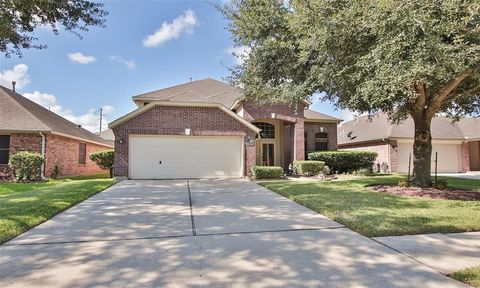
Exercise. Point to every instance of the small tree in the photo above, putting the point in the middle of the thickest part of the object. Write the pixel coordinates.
(406, 58)
(104, 159)
(26, 165)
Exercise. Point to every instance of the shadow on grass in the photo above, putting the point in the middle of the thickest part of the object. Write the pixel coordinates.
(370, 213)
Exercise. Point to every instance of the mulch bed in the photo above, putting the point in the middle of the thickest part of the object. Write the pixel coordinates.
(448, 193)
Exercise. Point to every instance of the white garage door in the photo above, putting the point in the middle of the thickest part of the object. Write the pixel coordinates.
(448, 157)
(159, 157)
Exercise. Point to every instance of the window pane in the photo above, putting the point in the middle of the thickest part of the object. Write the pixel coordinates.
(82, 155)
(268, 130)
(3, 156)
(321, 146)
(4, 141)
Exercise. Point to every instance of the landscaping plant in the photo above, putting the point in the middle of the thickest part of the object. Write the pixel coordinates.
(267, 172)
(308, 168)
(345, 161)
(26, 165)
(104, 159)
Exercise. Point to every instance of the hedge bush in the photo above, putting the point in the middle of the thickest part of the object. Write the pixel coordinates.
(308, 168)
(104, 159)
(26, 165)
(267, 172)
(345, 161)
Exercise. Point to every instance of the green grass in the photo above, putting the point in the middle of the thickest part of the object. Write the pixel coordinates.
(351, 202)
(25, 205)
(470, 276)
(102, 175)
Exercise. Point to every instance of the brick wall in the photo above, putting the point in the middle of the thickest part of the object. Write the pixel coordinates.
(168, 120)
(465, 157)
(23, 142)
(382, 148)
(253, 111)
(312, 128)
(63, 151)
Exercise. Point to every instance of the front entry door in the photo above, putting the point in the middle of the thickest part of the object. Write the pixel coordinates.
(268, 153)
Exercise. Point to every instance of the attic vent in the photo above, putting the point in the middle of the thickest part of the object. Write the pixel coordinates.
(79, 126)
(13, 85)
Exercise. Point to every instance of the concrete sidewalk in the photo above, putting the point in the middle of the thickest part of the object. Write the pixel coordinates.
(445, 253)
(202, 233)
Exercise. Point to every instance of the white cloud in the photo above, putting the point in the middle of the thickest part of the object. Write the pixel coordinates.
(240, 53)
(129, 63)
(168, 31)
(19, 73)
(89, 120)
(81, 58)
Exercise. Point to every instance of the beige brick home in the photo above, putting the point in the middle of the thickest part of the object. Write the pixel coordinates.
(206, 128)
(457, 143)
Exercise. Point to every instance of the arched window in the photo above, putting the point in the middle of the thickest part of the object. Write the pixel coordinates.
(321, 141)
(268, 130)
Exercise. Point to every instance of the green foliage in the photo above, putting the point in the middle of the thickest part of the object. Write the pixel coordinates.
(26, 165)
(308, 168)
(406, 58)
(267, 172)
(345, 161)
(470, 276)
(363, 55)
(19, 19)
(104, 159)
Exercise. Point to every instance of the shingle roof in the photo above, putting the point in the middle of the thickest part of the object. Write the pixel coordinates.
(311, 114)
(206, 90)
(377, 127)
(107, 134)
(19, 114)
(470, 127)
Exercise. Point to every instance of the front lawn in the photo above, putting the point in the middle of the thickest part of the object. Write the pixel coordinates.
(349, 201)
(470, 276)
(23, 206)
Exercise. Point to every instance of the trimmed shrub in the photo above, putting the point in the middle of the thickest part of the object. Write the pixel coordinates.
(308, 168)
(345, 161)
(26, 165)
(267, 172)
(104, 159)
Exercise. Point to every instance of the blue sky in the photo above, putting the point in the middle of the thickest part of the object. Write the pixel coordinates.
(147, 45)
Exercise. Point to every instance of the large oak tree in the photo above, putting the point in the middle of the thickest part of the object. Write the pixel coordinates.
(20, 18)
(408, 58)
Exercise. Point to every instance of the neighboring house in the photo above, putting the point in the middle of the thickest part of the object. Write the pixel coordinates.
(107, 135)
(27, 126)
(457, 143)
(206, 128)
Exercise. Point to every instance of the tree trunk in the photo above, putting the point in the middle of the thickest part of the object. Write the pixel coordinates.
(422, 151)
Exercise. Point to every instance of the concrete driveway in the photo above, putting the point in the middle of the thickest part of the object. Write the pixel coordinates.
(202, 233)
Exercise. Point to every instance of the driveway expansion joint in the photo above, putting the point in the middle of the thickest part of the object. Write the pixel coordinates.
(192, 218)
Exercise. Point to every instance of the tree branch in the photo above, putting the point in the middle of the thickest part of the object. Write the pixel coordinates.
(443, 94)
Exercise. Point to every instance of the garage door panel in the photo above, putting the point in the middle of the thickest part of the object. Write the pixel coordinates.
(185, 157)
(448, 157)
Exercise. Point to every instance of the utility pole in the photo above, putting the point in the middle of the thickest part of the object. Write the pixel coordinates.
(101, 116)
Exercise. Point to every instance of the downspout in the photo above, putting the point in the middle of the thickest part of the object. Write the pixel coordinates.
(42, 168)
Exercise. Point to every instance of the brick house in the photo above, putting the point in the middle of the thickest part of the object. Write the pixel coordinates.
(27, 126)
(206, 128)
(457, 143)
